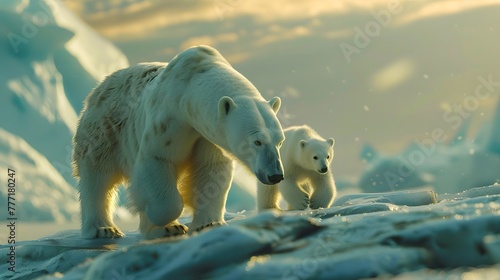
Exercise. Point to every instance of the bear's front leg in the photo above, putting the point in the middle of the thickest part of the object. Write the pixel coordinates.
(324, 191)
(155, 196)
(212, 173)
(295, 196)
(151, 231)
(267, 197)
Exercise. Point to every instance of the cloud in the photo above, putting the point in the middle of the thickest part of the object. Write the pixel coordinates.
(442, 8)
(128, 19)
(134, 20)
(393, 75)
(283, 34)
(210, 40)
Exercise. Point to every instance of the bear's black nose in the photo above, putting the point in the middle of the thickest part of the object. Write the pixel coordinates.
(324, 170)
(276, 178)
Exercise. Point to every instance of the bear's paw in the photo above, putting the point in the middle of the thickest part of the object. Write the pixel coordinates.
(299, 202)
(107, 232)
(174, 230)
(209, 225)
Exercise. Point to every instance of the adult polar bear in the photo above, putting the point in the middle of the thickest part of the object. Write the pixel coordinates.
(172, 132)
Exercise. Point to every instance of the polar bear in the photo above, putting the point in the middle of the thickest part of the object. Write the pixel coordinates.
(171, 132)
(309, 181)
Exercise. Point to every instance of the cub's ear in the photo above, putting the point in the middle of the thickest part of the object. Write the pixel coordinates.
(226, 105)
(302, 143)
(275, 103)
(331, 141)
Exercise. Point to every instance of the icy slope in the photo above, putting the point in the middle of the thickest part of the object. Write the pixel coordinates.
(41, 193)
(50, 60)
(365, 237)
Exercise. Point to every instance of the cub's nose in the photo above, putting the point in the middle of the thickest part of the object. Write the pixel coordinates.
(276, 178)
(324, 170)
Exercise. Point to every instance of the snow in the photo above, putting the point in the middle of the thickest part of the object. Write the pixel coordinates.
(51, 60)
(439, 236)
(40, 196)
(54, 60)
(97, 56)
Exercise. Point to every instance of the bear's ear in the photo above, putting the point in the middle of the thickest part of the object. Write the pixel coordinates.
(226, 105)
(275, 103)
(331, 141)
(302, 143)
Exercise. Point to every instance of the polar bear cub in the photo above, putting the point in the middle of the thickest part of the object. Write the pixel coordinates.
(306, 158)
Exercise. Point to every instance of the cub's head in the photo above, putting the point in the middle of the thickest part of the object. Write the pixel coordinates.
(254, 134)
(316, 154)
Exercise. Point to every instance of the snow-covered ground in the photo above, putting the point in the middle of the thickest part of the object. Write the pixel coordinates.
(364, 236)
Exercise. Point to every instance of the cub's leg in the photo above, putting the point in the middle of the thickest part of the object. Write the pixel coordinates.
(324, 191)
(97, 198)
(211, 176)
(267, 197)
(295, 196)
(154, 195)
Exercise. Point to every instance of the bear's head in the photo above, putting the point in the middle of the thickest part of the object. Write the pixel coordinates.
(316, 154)
(241, 122)
(254, 135)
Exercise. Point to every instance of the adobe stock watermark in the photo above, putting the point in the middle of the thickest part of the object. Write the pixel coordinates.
(455, 117)
(212, 190)
(309, 266)
(31, 24)
(284, 117)
(122, 275)
(222, 7)
(372, 29)
(89, 142)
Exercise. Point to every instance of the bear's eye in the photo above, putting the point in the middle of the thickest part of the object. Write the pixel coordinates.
(328, 157)
(315, 157)
(257, 143)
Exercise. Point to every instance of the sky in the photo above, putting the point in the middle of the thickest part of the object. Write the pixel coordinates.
(379, 72)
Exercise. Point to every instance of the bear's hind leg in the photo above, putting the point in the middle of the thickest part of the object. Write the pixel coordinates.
(97, 198)
(155, 197)
(206, 194)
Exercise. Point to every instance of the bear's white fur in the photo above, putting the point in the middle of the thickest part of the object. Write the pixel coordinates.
(172, 132)
(309, 181)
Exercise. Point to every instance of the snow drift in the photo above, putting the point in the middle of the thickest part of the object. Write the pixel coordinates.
(41, 194)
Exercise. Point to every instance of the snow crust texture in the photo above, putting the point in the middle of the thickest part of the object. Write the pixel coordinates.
(372, 236)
